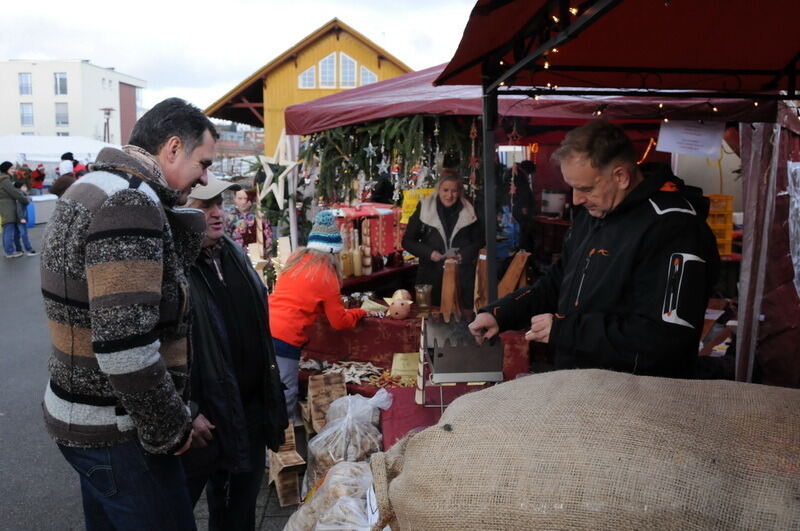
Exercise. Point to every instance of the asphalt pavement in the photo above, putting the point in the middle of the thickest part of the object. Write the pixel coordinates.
(38, 489)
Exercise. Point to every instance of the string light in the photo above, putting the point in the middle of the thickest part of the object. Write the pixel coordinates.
(501, 62)
(666, 120)
(712, 106)
(755, 104)
(660, 105)
(600, 109)
(573, 11)
(554, 50)
(548, 85)
(556, 19)
(546, 65)
(502, 83)
(536, 96)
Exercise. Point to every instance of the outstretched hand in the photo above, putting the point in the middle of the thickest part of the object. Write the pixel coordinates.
(484, 327)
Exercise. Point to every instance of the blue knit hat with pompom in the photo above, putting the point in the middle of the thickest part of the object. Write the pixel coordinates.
(325, 235)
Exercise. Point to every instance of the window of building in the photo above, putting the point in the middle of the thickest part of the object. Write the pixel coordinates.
(61, 83)
(25, 84)
(62, 114)
(26, 114)
(327, 72)
(367, 76)
(62, 133)
(347, 74)
(306, 79)
(27, 133)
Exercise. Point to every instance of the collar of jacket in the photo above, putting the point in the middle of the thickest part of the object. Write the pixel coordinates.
(429, 216)
(136, 161)
(655, 175)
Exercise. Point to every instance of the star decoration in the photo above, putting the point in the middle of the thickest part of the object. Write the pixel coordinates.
(383, 167)
(277, 185)
(370, 150)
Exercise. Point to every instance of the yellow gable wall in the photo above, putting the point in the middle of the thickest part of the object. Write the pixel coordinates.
(281, 88)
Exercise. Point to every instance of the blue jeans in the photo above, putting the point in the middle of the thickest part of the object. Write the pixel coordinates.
(288, 358)
(9, 232)
(22, 234)
(125, 488)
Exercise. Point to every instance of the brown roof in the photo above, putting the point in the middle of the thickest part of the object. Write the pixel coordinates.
(251, 89)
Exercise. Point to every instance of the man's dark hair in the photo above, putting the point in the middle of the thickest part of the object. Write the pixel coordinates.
(68, 156)
(600, 141)
(171, 117)
(5, 166)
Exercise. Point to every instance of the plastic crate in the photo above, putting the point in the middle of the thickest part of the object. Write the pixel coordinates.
(718, 219)
(724, 246)
(721, 202)
(723, 233)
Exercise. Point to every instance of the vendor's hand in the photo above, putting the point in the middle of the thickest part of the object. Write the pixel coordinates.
(484, 327)
(540, 328)
(202, 431)
(375, 313)
(436, 256)
(187, 444)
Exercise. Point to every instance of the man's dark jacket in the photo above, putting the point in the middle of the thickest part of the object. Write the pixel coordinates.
(629, 291)
(215, 392)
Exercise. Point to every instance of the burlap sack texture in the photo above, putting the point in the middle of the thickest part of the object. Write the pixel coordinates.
(593, 449)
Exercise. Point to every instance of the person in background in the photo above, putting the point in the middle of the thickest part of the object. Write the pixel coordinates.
(445, 225)
(10, 195)
(115, 259)
(241, 221)
(630, 288)
(309, 285)
(237, 396)
(21, 240)
(37, 179)
(65, 178)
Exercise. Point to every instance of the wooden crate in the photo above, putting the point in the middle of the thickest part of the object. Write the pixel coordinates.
(285, 466)
(322, 390)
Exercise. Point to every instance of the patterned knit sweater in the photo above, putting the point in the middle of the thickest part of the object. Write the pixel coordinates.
(114, 262)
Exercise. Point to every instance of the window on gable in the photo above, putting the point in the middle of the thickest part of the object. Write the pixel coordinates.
(347, 72)
(327, 72)
(61, 83)
(307, 78)
(25, 85)
(367, 76)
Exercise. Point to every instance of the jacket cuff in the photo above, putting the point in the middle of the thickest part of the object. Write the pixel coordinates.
(177, 446)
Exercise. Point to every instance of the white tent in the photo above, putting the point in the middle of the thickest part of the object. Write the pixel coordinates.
(48, 149)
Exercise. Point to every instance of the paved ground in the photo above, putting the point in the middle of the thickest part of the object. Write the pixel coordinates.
(38, 490)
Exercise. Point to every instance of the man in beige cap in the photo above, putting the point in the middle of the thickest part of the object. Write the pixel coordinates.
(237, 398)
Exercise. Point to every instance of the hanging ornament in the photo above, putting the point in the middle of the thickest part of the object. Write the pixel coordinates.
(474, 163)
(383, 167)
(514, 137)
(370, 150)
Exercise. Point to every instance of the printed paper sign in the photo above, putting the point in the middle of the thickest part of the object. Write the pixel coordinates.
(410, 200)
(691, 138)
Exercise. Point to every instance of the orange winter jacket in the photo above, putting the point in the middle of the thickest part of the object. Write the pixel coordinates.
(301, 296)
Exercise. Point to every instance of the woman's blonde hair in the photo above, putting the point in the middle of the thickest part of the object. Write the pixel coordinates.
(317, 260)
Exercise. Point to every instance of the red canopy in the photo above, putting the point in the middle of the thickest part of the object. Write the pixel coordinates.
(414, 93)
(750, 45)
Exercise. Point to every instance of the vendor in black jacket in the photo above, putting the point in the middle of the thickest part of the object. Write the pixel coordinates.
(445, 225)
(236, 391)
(630, 289)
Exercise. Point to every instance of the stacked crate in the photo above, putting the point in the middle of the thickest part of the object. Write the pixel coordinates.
(720, 219)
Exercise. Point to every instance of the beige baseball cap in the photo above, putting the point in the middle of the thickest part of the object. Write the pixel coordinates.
(212, 189)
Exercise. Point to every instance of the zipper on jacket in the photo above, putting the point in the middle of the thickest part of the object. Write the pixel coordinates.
(583, 277)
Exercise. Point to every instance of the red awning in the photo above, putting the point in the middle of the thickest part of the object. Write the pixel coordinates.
(640, 36)
(414, 93)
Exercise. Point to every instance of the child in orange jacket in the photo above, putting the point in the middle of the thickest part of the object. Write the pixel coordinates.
(309, 285)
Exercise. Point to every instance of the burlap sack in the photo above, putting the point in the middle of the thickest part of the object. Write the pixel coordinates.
(593, 449)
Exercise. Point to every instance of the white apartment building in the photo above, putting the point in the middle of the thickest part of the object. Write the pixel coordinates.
(68, 98)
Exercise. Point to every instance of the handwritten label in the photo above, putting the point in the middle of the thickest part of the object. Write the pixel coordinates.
(372, 506)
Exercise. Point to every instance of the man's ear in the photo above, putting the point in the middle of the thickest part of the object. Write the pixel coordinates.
(172, 148)
(622, 176)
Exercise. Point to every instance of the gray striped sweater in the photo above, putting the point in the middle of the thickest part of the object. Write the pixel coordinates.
(115, 290)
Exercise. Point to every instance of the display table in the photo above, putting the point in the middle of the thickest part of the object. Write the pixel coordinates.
(377, 340)
(383, 282)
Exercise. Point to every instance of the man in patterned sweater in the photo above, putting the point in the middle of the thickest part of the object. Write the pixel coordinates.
(114, 263)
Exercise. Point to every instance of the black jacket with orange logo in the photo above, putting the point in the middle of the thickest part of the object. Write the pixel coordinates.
(630, 290)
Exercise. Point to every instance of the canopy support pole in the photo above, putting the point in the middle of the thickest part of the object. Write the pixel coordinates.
(490, 189)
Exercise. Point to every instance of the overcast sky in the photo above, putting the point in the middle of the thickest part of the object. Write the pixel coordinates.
(201, 50)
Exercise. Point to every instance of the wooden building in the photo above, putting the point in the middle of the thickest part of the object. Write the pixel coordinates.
(333, 58)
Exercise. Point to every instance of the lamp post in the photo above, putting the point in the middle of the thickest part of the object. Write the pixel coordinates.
(106, 128)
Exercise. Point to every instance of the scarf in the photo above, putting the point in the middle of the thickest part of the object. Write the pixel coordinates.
(148, 161)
